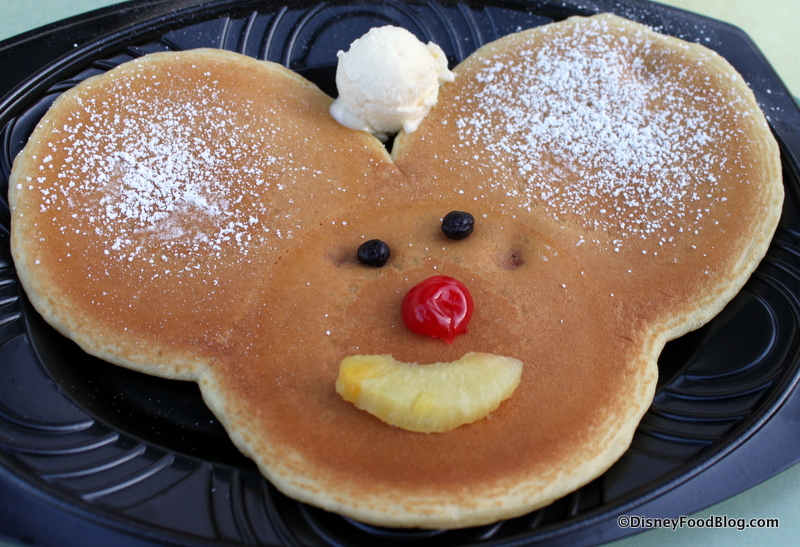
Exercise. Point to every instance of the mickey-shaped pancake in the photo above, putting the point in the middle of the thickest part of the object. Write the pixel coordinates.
(196, 215)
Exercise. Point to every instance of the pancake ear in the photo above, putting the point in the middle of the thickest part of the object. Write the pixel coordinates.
(188, 174)
(645, 158)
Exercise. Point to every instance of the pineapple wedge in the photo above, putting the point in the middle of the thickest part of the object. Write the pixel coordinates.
(428, 398)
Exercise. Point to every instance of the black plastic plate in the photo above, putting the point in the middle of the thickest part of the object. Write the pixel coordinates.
(92, 454)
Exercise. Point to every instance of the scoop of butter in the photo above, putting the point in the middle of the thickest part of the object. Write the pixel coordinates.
(388, 80)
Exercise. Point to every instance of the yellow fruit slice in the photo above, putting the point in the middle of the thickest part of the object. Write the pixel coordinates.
(428, 398)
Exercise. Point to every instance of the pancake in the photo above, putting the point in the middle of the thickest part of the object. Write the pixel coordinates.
(195, 215)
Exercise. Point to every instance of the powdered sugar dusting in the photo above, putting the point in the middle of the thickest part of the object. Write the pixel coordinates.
(625, 147)
(173, 176)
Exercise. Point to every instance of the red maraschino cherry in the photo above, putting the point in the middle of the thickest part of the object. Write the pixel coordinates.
(440, 306)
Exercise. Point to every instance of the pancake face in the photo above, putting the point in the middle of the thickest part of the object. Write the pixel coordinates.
(196, 215)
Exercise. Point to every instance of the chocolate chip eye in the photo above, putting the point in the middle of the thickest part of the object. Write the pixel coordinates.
(373, 253)
(458, 224)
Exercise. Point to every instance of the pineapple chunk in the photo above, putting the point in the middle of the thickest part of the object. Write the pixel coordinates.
(428, 398)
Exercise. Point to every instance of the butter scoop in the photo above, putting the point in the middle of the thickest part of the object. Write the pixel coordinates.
(387, 81)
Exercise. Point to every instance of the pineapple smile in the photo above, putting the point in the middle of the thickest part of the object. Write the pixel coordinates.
(431, 398)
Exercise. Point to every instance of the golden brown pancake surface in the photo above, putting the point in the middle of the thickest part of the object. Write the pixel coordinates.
(195, 215)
